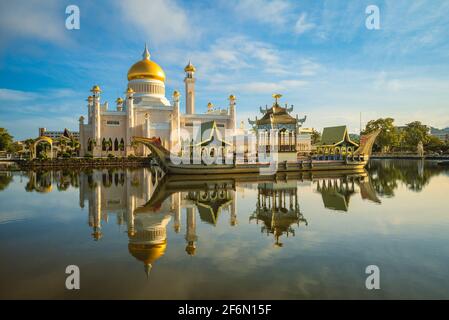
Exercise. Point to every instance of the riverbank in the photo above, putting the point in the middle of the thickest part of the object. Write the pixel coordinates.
(408, 156)
(12, 165)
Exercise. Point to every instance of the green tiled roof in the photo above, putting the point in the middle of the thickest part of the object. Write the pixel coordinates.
(334, 135)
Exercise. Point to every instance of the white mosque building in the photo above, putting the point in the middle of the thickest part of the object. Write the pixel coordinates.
(146, 112)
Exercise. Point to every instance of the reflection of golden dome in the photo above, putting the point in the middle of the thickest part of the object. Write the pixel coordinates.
(147, 253)
(146, 69)
(190, 248)
(45, 189)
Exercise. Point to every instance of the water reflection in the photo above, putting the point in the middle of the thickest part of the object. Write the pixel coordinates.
(386, 175)
(319, 231)
(278, 209)
(145, 203)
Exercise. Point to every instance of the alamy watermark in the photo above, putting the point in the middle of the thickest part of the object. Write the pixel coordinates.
(72, 282)
(373, 280)
(72, 22)
(372, 21)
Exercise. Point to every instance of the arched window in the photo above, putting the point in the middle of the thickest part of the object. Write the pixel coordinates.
(115, 144)
(122, 145)
(110, 145)
(103, 144)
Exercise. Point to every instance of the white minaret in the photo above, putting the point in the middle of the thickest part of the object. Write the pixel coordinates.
(81, 131)
(90, 107)
(190, 88)
(175, 122)
(232, 114)
(130, 119)
(96, 123)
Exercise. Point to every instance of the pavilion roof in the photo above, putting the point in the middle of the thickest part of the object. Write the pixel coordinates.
(336, 135)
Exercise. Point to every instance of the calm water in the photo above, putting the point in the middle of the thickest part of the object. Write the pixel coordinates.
(138, 237)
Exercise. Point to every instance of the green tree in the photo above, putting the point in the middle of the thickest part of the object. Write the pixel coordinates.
(5, 139)
(388, 137)
(415, 132)
(316, 136)
(434, 144)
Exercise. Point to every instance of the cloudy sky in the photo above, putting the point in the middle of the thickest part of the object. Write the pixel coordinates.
(318, 54)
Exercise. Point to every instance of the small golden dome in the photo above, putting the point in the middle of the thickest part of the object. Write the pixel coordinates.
(176, 93)
(190, 67)
(129, 90)
(95, 88)
(90, 98)
(119, 100)
(232, 97)
(210, 105)
(146, 69)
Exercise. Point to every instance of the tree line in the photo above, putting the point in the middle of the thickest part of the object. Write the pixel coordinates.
(405, 138)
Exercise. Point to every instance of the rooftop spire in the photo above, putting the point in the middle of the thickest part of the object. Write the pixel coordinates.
(146, 53)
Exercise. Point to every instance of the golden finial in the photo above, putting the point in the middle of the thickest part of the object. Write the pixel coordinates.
(189, 67)
(146, 54)
(276, 97)
(176, 93)
(119, 100)
(232, 97)
(130, 90)
(210, 106)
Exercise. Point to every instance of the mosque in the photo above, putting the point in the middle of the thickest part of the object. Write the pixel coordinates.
(145, 111)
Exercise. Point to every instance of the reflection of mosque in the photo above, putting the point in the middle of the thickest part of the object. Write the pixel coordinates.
(144, 203)
(278, 209)
(130, 196)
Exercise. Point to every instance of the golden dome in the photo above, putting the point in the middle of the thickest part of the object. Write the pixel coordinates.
(147, 253)
(146, 69)
(95, 88)
(232, 97)
(129, 90)
(176, 93)
(189, 67)
(119, 100)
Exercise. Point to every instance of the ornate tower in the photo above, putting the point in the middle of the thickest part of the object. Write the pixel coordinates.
(190, 88)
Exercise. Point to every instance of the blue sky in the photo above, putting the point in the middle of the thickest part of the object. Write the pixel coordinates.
(318, 54)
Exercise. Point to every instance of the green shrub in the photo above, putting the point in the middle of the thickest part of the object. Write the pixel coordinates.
(88, 155)
(111, 156)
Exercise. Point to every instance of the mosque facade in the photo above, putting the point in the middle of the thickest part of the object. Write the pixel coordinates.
(145, 111)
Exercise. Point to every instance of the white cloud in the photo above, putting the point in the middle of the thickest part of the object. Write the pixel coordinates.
(160, 20)
(302, 25)
(267, 87)
(265, 11)
(9, 95)
(32, 18)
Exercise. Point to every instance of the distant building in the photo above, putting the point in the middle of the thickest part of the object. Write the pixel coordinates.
(442, 134)
(56, 134)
